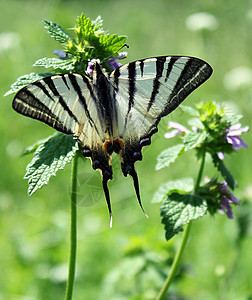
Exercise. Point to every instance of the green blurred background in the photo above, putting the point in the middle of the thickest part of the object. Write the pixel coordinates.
(130, 260)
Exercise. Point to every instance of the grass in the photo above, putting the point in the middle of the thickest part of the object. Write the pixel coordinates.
(34, 231)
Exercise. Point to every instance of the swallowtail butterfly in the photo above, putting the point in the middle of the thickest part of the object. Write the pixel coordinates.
(116, 112)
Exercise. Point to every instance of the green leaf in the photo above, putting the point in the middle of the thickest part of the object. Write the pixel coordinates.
(190, 110)
(178, 210)
(97, 26)
(112, 44)
(195, 122)
(219, 164)
(33, 148)
(84, 28)
(56, 63)
(210, 108)
(180, 185)
(193, 139)
(24, 80)
(49, 157)
(232, 118)
(56, 31)
(169, 156)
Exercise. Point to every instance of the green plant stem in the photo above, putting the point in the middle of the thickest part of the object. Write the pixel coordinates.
(175, 263)
(197, 184)
(73, 231)
(179, 253)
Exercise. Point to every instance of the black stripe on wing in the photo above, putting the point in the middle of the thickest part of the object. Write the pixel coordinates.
(171, 63)
(194, 73)
(156, 83)
(115, 91)
(49, 82)
(27, 104)
(132, 88)
(132, 84)
(82, 99)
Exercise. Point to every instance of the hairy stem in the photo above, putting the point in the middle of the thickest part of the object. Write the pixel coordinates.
(73, 231)
(182, 246)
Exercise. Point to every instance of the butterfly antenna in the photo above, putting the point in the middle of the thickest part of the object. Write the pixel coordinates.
(106, 191)
(133, 174)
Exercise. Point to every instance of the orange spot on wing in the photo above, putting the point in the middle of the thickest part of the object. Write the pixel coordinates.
(114, 146)
(120, 142)
(106, 145)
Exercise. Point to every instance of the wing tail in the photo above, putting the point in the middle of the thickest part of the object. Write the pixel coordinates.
(133, 174)
(129, 155)
(106, 192)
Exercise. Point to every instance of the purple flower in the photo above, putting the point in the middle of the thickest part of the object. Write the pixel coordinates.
(112, 61)
(233, 136)
(178, 129)
(226, 199)
(90, 67)
(60, 53)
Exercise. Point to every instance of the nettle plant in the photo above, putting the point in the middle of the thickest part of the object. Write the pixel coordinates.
(212, 132)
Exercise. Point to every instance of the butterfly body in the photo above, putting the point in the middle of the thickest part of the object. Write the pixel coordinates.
(116, 112)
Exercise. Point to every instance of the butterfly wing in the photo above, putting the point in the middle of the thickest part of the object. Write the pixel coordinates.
(144, 92)
(68, 104)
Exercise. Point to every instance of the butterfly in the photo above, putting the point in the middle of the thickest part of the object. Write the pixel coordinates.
(113, 112)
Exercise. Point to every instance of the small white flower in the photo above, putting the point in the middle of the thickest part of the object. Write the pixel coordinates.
(201, 21)
(238, 78)
(9, 40)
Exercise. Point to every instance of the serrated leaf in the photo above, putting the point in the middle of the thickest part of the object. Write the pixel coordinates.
(184, 185)
(56, 63)
(97, 26)
(85, 27)
(169, 156)
(33, 148)
(219, 164)
(193, 139)
(178, 210)
(48, 158)
(190, 110)
(56, 31)
(24, 80)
